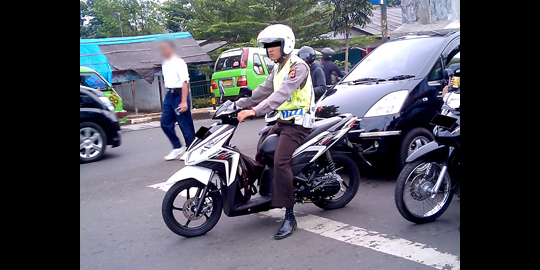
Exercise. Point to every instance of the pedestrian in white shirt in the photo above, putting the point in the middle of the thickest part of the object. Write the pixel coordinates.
(177, 102)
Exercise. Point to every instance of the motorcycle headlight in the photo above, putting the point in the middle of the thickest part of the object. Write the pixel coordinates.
(389, 104)
(107, 103)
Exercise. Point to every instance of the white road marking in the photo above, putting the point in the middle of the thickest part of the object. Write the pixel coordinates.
(399, 247)
(161, 186)
(403, 248)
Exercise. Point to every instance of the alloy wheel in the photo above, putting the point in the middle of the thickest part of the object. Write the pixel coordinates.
(416, 144)
(91, 142)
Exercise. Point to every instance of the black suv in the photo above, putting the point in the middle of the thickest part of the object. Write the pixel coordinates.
(396, 91)
(98, 124)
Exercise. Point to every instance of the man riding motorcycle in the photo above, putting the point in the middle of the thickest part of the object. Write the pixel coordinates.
(317, 74)
(329, 67)
(287, 89)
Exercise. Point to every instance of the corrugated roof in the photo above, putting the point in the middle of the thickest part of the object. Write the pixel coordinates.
(210, 47)
(394, 20)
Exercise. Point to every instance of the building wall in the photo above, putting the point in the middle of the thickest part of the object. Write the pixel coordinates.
(430, 11)
(147, 95)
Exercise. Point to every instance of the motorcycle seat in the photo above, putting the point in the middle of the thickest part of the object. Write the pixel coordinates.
(268, 146)
(320, 126)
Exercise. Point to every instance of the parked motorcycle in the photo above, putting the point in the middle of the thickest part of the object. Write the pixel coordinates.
(218, 177)
(426, 185)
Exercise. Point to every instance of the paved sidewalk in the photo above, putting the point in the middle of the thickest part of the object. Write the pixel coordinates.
(197, 114)
(142, 126)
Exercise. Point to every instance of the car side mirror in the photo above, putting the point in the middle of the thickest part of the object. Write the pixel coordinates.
(447, 73)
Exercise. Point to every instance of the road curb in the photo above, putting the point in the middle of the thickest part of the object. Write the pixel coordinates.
(198, 114)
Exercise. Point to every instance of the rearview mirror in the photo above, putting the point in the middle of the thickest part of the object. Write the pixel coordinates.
(245, 91)
(221, 91)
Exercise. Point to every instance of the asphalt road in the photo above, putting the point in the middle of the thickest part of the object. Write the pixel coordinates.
(121, 225)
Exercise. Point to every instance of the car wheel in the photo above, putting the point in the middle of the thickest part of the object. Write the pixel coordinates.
(93, 142)
(411, 142)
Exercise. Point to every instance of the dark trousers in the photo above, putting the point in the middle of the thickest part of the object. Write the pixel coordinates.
(290, 136)
(169, 118)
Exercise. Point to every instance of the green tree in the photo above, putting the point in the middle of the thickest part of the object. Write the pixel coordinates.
(349, 13)
(90, 26)
(129, 17)
(239, 21)
(177, 13)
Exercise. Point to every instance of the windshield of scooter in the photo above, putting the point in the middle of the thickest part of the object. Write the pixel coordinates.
(222, 108)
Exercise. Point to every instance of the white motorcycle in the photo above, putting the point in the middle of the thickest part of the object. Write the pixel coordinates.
(218, 177)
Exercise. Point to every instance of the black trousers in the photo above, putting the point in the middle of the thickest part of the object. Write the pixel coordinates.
(290, 136)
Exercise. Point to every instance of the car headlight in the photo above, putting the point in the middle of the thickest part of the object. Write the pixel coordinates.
(389, 104)
(107, 103)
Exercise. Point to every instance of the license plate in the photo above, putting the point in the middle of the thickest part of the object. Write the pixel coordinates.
(228, 82)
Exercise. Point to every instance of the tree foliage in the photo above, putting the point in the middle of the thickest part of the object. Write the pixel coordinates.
(114, 18)
(177, 14)
(349, 13)
(238, 21)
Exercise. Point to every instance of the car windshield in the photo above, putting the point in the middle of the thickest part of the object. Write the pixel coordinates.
(229, 60)
(93, 81)
(398, 58)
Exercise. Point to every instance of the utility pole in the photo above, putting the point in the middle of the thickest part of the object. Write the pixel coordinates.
(384, 25)
(121, 30)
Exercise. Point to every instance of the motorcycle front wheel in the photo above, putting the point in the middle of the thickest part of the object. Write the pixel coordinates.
(180, 204)
(413, 198)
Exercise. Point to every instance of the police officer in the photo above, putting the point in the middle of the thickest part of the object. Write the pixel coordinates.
(317, 74)
(287, 89)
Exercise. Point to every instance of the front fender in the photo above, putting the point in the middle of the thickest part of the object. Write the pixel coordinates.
(201, 174)
(440, 151)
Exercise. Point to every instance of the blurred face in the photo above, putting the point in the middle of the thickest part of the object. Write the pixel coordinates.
(274, 53)
(166, 50)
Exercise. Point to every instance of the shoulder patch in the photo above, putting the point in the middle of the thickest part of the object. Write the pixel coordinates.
(292, 73)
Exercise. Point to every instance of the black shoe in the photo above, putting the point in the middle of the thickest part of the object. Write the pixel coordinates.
(287, 228)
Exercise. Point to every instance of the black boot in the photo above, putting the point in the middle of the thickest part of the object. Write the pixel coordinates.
(288, 226)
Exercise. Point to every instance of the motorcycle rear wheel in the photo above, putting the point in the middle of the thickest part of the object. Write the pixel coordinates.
(192, 190)
(349, 169)
(412, 183)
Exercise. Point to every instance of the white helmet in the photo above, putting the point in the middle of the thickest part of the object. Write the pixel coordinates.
(275, 33)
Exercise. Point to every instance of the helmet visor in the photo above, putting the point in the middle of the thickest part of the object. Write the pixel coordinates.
(304, 55)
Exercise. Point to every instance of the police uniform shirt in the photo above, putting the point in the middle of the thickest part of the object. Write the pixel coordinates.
(295, 79)
(175, 72)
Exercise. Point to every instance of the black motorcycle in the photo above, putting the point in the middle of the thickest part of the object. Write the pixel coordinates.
(426, 185)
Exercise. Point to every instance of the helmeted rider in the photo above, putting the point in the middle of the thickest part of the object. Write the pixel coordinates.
(328, 66)
(317, 74)
(287, 89)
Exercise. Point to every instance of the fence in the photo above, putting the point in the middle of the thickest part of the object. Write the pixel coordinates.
(200, 89)
(148, 96)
